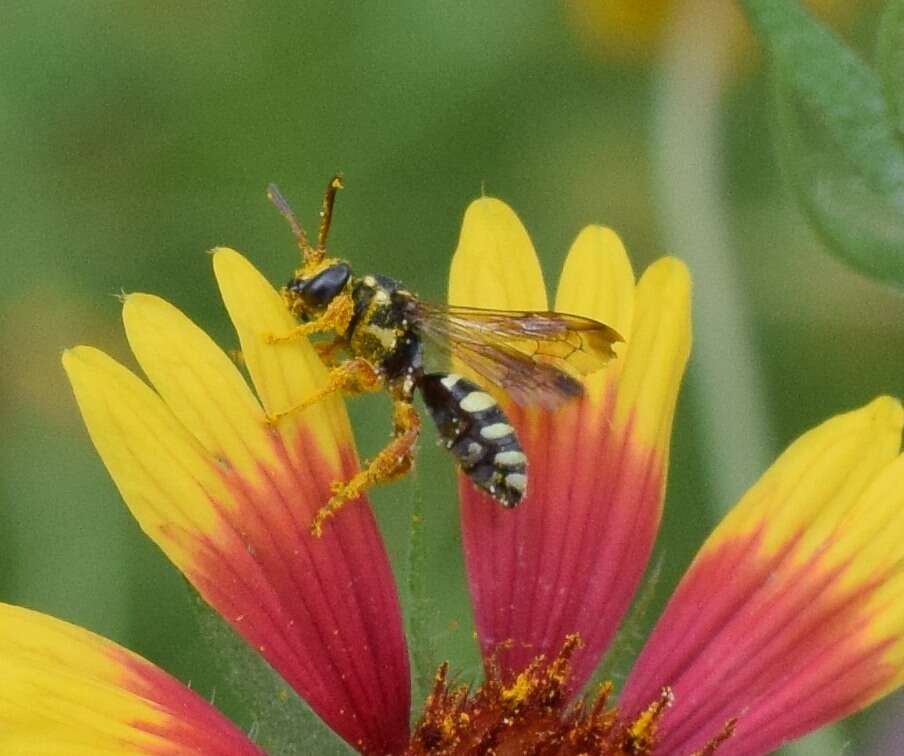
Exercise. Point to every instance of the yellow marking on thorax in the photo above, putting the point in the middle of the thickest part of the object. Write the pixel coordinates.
(386, 336)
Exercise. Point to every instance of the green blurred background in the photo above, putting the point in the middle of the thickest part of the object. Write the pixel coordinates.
(135, 136)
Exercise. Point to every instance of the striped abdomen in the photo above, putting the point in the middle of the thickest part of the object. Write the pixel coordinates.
(473, 427)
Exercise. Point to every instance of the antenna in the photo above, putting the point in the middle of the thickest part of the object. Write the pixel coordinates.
(279, 202)
(326, 211)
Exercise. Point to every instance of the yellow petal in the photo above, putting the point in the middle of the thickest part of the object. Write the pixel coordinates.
(285, 373)
(598, 282)
(165, 476)
(495, 265)
(839, 490)
(815, 484)
(657, 352)
(835, 498)
(870, 543)
(798, 595)
(64, 690)
(60, 663)
(199, 383)
(874, 527)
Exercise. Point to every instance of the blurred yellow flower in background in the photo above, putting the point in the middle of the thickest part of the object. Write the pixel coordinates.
(626, 31)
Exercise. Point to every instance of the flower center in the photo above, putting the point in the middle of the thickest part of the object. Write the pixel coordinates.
(534, 714)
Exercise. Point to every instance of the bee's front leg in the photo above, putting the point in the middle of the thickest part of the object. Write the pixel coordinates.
(303, 329)
(394, 461)
(336, 317)
(351, 377)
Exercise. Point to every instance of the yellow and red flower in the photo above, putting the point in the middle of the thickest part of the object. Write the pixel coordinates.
(64, 690)
(570, 560)
(229, 498)
(789, 617)
(792, 614)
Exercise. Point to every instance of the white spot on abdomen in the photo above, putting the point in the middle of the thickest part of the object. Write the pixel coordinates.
(509, 458)
(518, 481)
(477, 401)
(496, 431)
(450, 380)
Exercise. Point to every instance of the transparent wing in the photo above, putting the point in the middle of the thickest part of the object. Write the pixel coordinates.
(536, 357)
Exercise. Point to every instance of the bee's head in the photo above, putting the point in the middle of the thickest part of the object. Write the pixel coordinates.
(308, 294)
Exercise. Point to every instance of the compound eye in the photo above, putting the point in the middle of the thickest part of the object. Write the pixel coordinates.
(320, 290)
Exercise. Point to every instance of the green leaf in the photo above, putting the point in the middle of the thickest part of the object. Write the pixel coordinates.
(284, 725)
(836, 139)
(862, 227)
(424, 658)
(890, 59)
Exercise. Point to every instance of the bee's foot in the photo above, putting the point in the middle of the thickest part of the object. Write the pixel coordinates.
(339, 499)
(342, 494)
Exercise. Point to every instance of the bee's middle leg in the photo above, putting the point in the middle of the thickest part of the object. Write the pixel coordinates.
(327, 350)
(392, 462)
(355, 376)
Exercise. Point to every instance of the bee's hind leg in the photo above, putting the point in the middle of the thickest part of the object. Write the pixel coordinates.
(392, 462)
(351, 377)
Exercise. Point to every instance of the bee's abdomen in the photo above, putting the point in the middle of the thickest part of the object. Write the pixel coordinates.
(473, 427)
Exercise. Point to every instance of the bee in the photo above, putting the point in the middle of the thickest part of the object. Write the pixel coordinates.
(384, 331)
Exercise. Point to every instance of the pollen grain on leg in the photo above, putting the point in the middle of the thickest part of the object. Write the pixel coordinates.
(392, 462)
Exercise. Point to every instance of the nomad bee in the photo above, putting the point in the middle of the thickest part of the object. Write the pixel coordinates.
(535, 357)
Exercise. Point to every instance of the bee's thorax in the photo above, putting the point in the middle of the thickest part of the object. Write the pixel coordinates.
(381, 330)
